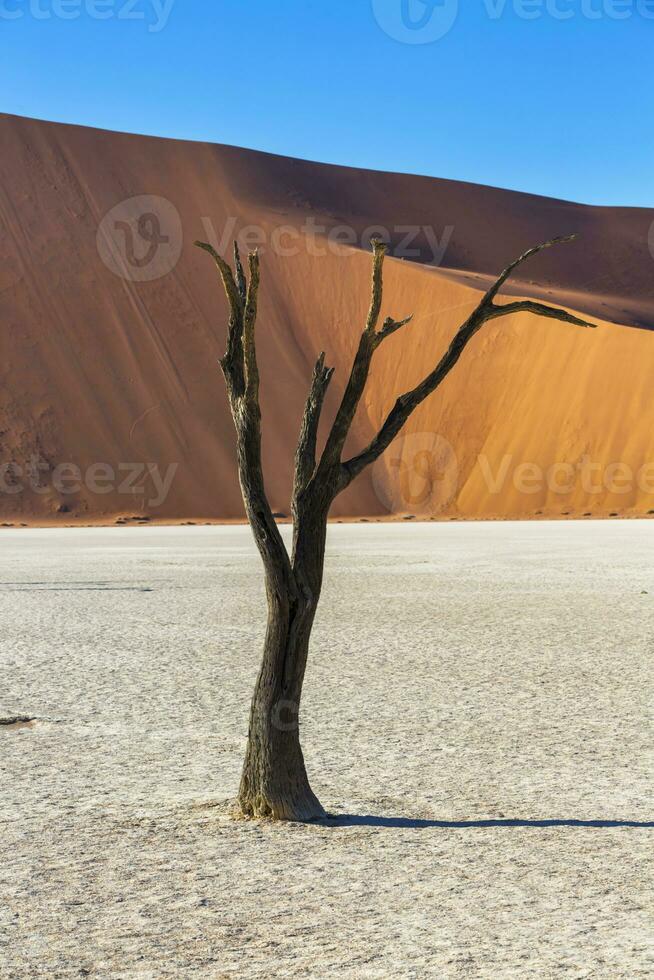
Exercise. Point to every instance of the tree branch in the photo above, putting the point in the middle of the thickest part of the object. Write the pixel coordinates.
(305, 457)
(538, 309)
(249, 321)
(510, 269)
(242, 380)
(231, 289)
(379, 250)
(241, 283)
(390, 326)
(232, 361)
(486, 310)
(370, 340)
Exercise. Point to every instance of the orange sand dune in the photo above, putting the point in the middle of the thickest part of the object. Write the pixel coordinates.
(119, 377)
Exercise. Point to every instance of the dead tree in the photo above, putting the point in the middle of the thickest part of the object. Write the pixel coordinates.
(274, 781)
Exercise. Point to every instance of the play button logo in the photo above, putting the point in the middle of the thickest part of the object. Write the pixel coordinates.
(416, 21)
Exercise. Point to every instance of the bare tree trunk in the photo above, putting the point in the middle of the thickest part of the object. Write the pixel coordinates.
(274, 782)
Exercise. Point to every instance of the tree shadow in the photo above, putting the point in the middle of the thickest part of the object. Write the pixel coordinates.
(408, 823)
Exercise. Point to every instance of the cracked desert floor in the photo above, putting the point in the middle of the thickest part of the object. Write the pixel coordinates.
(477, 718)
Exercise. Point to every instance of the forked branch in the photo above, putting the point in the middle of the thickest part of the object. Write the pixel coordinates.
(331, 474)
(487, 309)
(370, 340)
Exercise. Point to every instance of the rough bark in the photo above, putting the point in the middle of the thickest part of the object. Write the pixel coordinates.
(274, 782)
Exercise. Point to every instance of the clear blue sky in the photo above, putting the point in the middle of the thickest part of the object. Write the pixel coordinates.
(549, 96)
